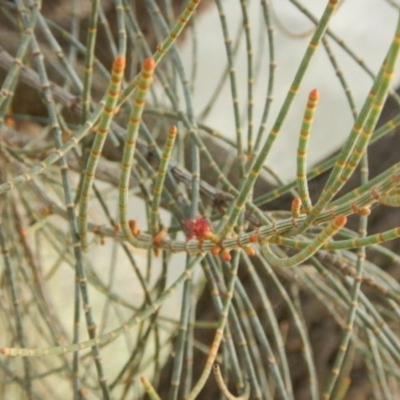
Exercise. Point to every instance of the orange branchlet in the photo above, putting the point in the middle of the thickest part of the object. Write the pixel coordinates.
(133, 227)
(340, 220)
(249, 251)
(296, 207)
(225, 255)
(254, 238)
(216, 250)
(159, 237)
(314, 95)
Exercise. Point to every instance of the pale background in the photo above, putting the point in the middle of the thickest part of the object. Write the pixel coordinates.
(366, 26)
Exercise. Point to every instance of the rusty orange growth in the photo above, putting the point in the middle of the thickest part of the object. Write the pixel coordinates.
(249, 251)
(225, 254)
(296, 207)
(246, 248)
(216, 250)
(133, 227)
(254, 237)
(339, 221)
(158, 238)
(200, 228)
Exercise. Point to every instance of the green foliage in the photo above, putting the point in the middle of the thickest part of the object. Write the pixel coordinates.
(131, 230)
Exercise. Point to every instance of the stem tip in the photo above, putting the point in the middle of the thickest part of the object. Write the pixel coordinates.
(340, 220)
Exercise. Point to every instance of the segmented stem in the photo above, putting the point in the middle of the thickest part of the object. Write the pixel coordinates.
(107, 337)
(16, 300)
(325, 165)
(338, 223)
(302, 185)
(181, 340)
(236, 207)
(160, 178)
(355, 243)
(343, 348)
(267, 12)
(224, 389)
(89, 57)
(69, 204)
(218, 336)
(163, 48)
(146, 77)
(98, 143)
(10, 81)
(360, 135)
(296, 207)
(54, 156)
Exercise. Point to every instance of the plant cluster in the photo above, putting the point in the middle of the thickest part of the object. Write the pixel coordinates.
(93, 174)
